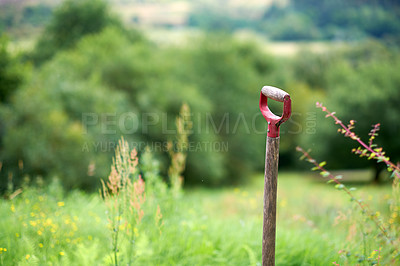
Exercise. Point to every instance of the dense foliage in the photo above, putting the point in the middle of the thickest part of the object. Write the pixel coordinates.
(11, 72)
(95, 84)
(110, 76)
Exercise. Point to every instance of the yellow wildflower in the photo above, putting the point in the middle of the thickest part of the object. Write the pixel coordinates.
(60, 203)
(12, 208)
(136, 232)
(39, 232)
(27, 256)
(48, 222)
(74, 227)
(62, 253)
(40, 245)
(16, 235)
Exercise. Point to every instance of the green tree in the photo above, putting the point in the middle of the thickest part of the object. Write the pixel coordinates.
(63, 122)
(230, 74)
(70, 22)
(362, 85)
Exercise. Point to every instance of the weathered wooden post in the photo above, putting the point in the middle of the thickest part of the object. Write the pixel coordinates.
(271, 167)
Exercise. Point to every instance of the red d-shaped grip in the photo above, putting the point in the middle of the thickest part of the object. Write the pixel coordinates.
(274, 121)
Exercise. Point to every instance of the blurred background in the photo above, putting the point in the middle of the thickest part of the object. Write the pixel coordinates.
(75, 76)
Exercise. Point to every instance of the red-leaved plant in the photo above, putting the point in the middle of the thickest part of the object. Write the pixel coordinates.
(124, 196)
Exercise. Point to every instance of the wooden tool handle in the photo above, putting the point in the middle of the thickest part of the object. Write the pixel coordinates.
(270, 188)
(274, 93)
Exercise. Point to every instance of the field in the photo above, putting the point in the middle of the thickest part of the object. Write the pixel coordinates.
(172, 88)
(203, 227)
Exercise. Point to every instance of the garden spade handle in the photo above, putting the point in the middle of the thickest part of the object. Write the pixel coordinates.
(271, 167)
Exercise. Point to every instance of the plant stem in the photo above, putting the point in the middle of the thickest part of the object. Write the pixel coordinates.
(353, 136)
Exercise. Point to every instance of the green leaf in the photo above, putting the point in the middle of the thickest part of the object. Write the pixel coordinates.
(338, 177)
(339, 186)
(324, 173)
(393, 174)
(352, 189)
(314, 168)
(322, 164)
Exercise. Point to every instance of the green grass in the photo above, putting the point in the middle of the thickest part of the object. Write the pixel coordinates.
(204, 227)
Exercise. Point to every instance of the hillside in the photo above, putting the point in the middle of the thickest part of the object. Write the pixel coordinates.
(280, 20)
(24, 17)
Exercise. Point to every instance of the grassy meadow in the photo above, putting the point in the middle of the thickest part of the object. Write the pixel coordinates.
(316, 226)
